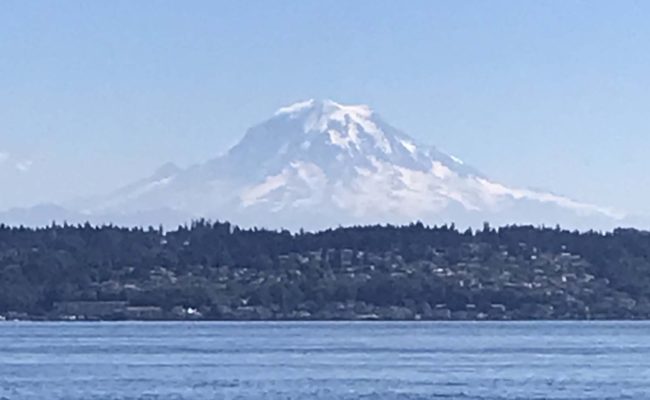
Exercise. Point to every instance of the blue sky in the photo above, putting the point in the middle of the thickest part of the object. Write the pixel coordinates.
(546, 94)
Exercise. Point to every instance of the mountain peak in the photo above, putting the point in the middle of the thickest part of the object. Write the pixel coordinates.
(346, 126)
(324, 107)
(315, 163)
(167, 170)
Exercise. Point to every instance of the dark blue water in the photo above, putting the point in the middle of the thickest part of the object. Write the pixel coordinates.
(119, 361)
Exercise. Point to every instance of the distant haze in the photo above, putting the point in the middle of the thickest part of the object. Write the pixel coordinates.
(549, 96)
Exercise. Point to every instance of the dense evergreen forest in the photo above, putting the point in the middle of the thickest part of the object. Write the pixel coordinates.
(218, 271)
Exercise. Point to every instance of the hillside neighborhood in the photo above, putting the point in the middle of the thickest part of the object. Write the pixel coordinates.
(218, 272)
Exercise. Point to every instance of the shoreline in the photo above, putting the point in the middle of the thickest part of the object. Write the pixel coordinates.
(319, 321)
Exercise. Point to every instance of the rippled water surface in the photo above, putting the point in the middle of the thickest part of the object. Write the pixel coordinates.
(118, 361)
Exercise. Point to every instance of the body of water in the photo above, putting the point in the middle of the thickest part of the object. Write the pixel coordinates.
(487, 361)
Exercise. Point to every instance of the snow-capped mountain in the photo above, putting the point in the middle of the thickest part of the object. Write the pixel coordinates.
(316, 164)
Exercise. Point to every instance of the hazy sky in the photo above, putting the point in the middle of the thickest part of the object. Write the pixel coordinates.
(547, 94)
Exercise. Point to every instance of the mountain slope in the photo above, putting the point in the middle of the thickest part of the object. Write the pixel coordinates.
(319, 163)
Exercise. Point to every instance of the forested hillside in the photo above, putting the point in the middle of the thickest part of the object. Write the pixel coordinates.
(217, 271)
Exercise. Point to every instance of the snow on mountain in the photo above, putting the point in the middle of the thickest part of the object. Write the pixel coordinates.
(320, 163)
